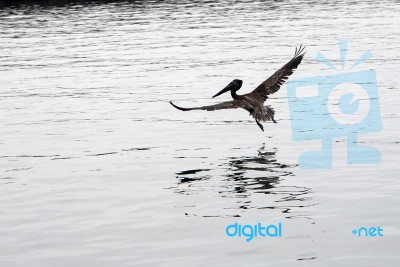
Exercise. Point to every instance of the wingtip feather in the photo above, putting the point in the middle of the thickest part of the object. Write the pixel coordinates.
(299, 51)
(177, 107)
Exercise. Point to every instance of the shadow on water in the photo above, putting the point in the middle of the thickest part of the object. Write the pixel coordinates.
(251, 182)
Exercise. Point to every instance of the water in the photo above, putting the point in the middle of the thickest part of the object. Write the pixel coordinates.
(98, 169)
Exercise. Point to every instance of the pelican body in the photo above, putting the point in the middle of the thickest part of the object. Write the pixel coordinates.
(253, 102)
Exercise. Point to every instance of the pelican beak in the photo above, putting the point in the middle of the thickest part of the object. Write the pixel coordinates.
(226, 89)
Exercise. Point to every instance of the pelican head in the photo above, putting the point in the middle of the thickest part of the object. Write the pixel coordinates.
(233, 86)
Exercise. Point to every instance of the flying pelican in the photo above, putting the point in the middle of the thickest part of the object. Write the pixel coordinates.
(254, 102)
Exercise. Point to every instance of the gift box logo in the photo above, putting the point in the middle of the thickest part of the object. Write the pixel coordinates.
(344, 104)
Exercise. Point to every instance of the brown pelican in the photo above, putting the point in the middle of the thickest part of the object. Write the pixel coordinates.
(254, 102)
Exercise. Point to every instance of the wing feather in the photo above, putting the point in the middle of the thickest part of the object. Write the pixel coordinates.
(273, 83)
(223, 105)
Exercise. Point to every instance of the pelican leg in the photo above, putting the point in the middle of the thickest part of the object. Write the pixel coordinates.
(260, 125)
(273, 120)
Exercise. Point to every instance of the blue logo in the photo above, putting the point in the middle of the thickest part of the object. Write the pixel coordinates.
(251, 231)
(344, 104)
(372, 231)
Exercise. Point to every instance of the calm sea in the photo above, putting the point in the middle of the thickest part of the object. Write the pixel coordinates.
(97, 169)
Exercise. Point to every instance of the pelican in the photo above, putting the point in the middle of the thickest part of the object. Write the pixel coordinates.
(253, 102)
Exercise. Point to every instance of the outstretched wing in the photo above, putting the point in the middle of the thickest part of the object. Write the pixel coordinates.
(223, 105)
(273, 83)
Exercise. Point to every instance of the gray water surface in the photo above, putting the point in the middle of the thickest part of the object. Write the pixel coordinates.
(97, 169)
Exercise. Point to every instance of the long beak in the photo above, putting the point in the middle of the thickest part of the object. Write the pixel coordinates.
(226, 89)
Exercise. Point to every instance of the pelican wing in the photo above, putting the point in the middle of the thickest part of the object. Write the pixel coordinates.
(273, 83)
(223, 105)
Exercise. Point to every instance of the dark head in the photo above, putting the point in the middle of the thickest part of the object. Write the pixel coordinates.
(233, 86)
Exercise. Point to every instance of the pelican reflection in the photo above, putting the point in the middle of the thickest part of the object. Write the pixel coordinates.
(243, 182)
